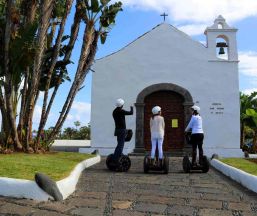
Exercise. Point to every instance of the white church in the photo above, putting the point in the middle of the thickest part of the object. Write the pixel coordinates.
(166, 67)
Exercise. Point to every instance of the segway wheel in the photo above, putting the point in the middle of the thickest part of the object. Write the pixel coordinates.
(206, 165)
(186, 164)
(109, 162)
(146, 164)
(166, 165)
(124, 163)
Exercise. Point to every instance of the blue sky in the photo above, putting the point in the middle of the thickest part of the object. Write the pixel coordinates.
(192, 17)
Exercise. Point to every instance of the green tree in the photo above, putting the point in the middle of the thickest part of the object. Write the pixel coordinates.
(77, 124)
(34, 54)
(249, 132)
(69, 133)
(246, 102)
(84, 133)
(252, 122)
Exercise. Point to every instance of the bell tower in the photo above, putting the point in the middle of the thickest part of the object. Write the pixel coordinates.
(221, 41)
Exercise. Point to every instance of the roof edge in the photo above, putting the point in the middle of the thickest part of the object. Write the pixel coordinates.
(176, 29)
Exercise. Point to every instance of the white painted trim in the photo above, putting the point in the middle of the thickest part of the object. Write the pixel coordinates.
(252, 155)
(21, 188)
(247, 180)
(29, 189)
(71, 143)
(68, 185)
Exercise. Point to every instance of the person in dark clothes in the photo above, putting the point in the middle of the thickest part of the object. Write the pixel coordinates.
(120, 127)
(197, 136)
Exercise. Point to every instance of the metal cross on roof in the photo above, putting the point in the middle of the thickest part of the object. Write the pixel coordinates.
(164, 16)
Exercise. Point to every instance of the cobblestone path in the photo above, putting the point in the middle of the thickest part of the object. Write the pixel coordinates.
(101, 192)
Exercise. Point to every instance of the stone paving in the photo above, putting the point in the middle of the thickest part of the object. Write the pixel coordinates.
(101, 192)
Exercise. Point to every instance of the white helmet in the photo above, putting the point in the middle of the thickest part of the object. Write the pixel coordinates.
(156, 110)
(119, 102)
(195, 108)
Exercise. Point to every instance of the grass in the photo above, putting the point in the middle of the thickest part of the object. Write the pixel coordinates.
(57, 165)
(247, 165)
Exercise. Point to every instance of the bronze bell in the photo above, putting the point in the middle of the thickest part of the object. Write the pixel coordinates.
(222, 51)
(221, 45)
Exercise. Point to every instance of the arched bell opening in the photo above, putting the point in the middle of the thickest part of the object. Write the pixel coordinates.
(222, 47)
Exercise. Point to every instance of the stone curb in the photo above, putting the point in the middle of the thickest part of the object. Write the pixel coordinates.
(29, 189)
(247, 180)
(68, 185)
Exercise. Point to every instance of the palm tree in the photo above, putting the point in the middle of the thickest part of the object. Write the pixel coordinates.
(69, 132)
(252, 122)
(85, 133)
(93, 15)
(34, 56)
(77, 124)
(246, 102)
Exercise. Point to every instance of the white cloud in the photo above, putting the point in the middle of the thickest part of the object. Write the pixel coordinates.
(248, 63)
(69, 117)
(194, 29)
(80, 111)
(198, 14)
(81, 107)
(198, 10)
(249, 91)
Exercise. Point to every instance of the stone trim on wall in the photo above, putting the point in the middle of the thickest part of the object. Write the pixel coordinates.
(188, 102)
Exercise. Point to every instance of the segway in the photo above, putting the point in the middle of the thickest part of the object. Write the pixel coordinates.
(156, 164)
(187, 164)
(124, 161)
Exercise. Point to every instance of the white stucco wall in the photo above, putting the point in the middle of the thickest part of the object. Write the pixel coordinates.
(166, 55)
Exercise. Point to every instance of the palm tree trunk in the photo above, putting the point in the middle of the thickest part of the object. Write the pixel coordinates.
(74, 34)
(28, 10)
(31, 7)
(86, 59)
(12, 119)
(8, 82)
(29, 124)
(32, 4)
(23, 98)
(46, 8)
(50, 72)
(5, 128)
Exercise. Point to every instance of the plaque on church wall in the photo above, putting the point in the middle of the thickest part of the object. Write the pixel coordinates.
(217, 108)
(174, 123)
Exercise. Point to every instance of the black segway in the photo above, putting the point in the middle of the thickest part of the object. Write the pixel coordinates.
(156, 164)
(187, 164)
(124, 161)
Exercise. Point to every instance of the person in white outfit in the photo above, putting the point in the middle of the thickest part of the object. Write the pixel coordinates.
(196, 125)
(157, 126)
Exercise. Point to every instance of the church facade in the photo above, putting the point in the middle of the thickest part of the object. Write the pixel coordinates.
(165, 67)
